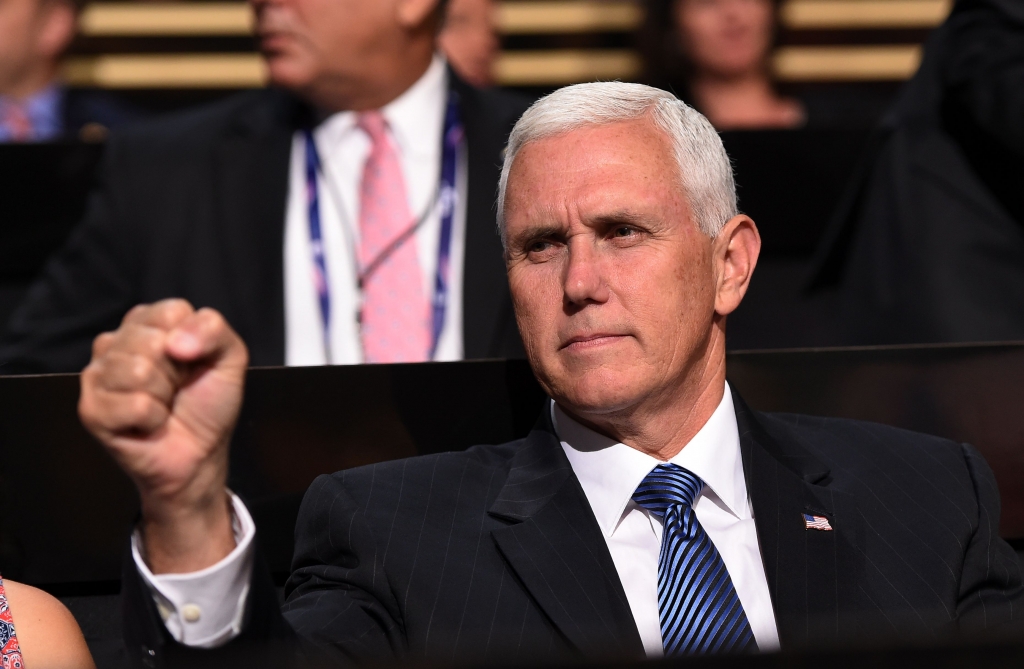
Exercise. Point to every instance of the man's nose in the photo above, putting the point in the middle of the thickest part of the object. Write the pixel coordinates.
(583, 282)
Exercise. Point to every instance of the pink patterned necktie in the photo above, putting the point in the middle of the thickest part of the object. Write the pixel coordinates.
(395, 315)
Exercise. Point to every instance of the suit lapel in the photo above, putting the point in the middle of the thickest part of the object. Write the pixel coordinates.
(812, 574)
(486, 309)
(555, 546)
(251, 169)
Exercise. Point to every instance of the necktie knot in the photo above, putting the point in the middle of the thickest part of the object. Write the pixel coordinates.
(374, 125)
(668, 485)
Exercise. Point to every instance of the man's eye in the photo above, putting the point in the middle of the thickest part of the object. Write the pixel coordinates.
(539, 246)
(625, 231)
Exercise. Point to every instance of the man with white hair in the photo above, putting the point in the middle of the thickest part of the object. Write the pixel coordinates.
(650, 512)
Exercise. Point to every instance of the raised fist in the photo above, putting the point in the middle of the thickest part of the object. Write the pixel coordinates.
(162, 393)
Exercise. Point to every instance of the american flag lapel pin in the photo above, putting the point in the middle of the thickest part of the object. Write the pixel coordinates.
(816, 523)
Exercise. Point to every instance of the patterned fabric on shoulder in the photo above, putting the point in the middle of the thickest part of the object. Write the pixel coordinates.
(10, 651)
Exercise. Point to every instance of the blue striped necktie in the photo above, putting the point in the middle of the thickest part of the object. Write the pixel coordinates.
(698, 605)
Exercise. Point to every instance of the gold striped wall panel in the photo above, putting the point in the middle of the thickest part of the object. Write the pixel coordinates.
(515, 67)
(863, 14)
(846, 63)
(243, 70)
(122, 19)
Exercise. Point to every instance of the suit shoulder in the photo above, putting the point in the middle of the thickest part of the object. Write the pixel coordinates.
(826, 434)
(467, 479)
(857, 449)
(886, 467)
(85, 106)
(438, 466)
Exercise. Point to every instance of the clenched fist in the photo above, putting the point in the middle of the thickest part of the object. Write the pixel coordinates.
(162, 393)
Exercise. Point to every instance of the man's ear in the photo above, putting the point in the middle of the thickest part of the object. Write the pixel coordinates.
(736, 249)
(414, 13)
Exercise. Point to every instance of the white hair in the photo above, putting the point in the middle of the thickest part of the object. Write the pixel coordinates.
(704, 168)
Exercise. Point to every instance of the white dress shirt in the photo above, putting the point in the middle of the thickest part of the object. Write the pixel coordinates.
(205, 608)
(610, 473)
(415, 123)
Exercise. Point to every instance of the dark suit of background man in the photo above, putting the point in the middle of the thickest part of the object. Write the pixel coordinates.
(34, 105)
(929, 245)
(212, 205)
(623, 263)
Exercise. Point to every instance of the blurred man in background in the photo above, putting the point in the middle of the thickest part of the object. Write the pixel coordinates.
(344, 215)
(928, 244)
(34, 106)
(470, 39)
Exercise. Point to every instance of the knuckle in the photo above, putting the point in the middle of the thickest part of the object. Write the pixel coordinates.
(101, 343)
(139, 406)
(135, 313)
(141, 369)
(151, 344)
(211, 319)
(176, 308)
(210, 316)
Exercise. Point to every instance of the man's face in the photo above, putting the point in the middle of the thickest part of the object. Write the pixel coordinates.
(308, 43)
(614, 285)
(727, 38)
(24, 38)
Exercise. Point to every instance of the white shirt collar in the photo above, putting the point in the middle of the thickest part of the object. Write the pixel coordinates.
(610, 472)
(420, 107)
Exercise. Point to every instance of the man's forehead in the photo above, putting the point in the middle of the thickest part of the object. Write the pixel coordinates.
(588, 137)
(594, 157)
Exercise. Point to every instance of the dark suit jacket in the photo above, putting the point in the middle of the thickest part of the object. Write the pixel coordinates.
(89, 114)
(494, 554)
(929, 243)
(193, 206)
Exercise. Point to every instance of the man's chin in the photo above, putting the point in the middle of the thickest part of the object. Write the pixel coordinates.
(287, 71)
(600, 392)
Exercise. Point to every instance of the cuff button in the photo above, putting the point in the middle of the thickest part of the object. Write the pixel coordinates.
(191, 613)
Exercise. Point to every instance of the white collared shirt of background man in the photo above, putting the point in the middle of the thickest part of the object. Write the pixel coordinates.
(205, 609)
(415, 123)
(610, 472)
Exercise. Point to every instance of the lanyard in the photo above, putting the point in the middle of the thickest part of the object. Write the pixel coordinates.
(446, 196)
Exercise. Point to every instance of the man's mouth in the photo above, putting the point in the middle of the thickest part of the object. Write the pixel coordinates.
(591, 340)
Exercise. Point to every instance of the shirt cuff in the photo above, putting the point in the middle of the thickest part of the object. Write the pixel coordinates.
(204, 609)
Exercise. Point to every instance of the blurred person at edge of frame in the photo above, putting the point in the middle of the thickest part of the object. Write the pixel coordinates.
(36, 628)
(716, 55)
(342, 215)
(927, 245)
(469, 39)
(34, 105)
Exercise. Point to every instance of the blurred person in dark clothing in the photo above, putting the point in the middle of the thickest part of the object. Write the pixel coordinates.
(928, 245)
(716, 55)
(470, 40)
(34, 106)
(343, 215)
